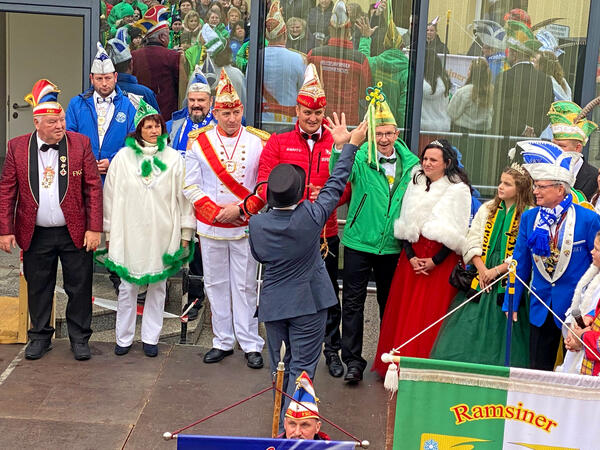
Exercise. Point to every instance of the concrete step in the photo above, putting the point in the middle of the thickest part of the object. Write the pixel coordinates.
(170, 334)
(104, 319)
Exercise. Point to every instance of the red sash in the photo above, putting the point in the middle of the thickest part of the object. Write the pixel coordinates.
(207, 210)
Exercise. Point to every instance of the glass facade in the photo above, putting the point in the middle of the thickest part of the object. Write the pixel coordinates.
(461, 82)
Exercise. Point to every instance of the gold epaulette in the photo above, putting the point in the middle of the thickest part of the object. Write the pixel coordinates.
(263, 135)
(193, 135)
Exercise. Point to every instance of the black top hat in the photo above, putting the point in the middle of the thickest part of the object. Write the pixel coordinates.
(286, 185)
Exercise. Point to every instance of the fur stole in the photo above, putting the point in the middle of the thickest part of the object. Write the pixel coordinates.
(583, 297)
(441, 214)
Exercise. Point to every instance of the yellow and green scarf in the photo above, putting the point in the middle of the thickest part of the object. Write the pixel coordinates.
(503, 226)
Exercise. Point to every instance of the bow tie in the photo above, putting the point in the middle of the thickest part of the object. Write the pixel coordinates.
(104, 100)
(45, 147)
(383, 160)
(314, 137)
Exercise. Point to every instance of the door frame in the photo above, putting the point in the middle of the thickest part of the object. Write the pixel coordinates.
(89, 10)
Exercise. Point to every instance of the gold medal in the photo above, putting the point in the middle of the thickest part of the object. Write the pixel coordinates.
(230, 166)
(48, 177)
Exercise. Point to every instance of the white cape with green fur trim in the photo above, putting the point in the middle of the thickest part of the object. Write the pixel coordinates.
(145, 219)
(440, 214)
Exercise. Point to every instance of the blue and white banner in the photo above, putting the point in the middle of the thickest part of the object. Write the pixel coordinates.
(191, 442)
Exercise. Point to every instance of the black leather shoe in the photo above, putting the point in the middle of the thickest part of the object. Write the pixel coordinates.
(81, 351)
(150, 349)
(255, 360)
(38, 348)
(215, 355)
(336, 369)
(354, 375)
(120, 351)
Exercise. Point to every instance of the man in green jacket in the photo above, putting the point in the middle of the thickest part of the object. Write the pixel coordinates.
(369, 242)
(390, 67)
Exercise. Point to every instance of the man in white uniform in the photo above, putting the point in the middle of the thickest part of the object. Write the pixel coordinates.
(221, 170)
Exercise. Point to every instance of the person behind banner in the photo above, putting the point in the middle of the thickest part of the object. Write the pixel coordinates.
(148, 224)
(589, 364)
(221, 170)
(476, 332)
(432, 229)
(553, 247)
(378, 184)
(51, 205)
(297, 291)
(299, 422)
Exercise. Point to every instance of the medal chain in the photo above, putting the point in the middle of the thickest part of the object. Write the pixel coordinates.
(229, 158)
(48, 174)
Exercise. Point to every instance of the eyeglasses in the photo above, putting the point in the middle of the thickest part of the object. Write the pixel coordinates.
(543, 186)
(388, 135)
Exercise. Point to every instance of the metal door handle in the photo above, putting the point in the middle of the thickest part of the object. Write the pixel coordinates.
(17, 106)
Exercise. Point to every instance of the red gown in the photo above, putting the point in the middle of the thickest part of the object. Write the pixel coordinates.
(414, 302)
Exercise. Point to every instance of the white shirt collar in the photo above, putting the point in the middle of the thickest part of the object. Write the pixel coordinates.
(112, 96)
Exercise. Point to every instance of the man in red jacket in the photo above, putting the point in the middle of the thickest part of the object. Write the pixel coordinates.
(51, 206)
(345, 71)
(156, 66)
(309, 146)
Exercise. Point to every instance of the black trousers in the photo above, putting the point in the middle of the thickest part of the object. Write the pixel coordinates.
(196, 286)
(543, 344)
(333, 339)
(40, 263)
(357, 271)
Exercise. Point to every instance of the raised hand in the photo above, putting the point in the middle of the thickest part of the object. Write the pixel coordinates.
(365, 29)
(359, 134)
(338, 130)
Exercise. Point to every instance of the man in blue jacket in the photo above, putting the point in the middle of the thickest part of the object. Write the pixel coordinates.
(102, 113)
(195, 114)
(553, 247)
(297, 290)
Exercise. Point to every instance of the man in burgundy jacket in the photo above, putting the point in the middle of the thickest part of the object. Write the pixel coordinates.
(156, 66)
(345, 71)
(309, 146)
(51, 206)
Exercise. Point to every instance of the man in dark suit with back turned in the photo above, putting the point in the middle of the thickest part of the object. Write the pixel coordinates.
(522, 94)
(51, 205)
(296, 290)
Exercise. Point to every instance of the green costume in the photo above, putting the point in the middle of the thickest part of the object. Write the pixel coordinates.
(117, 12)
(195, 56)
(241, 58)
(375, 206)
(477, 332)
(391, 68)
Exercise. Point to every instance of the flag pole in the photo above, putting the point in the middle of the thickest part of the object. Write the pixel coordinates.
(512, 268)
(279, 375)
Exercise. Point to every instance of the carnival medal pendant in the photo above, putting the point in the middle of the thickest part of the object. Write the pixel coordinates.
(48, 177)
(230, 166)
(551, 261)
